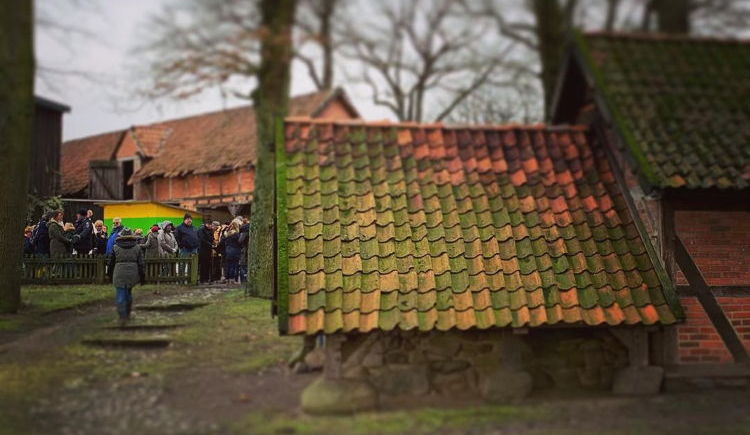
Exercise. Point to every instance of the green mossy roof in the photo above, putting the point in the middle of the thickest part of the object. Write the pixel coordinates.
(681, 104)
(435, 228)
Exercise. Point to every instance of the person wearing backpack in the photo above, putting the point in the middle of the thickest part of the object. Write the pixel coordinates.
(127, 268)
(40, 236)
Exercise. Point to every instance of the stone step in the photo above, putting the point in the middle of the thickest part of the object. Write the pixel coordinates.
(178, 306)
(145, 327)
(144, 343)
(695, 377)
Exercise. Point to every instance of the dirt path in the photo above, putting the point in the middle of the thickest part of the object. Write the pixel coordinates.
(187, 387)
(224, 372)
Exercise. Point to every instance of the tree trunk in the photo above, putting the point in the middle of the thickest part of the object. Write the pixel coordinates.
(16, 113)
(271, 98)
(326, 43)
(673, 16)
(551, 33)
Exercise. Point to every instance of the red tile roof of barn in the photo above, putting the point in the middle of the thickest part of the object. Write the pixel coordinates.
(428, 227)
(76, 154)
(220, 140)
(196, 144)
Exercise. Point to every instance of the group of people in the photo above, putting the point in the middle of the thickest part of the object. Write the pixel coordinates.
(221, 249)
(51, 236)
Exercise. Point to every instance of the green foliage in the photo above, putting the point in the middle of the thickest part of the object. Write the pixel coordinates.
(37, 206)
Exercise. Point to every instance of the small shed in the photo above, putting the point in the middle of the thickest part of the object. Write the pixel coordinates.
(463, 262)
(143, 214)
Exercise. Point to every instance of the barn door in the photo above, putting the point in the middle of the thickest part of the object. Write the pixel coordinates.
(105, 181)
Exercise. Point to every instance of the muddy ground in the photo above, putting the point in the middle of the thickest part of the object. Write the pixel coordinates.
(209, 360)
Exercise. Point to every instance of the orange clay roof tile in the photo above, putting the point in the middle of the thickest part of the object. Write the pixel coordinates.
(395, 225)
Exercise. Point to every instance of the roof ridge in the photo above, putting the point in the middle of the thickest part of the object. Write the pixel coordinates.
(163, 123)
(414, 124)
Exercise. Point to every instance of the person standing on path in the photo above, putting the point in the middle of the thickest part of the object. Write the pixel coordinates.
(206, 237)
(40, 236)
(116, 228)
(187, 240)
(151, 244)
(232, 248)
(84, 229)
(127, 269)
(58, 242)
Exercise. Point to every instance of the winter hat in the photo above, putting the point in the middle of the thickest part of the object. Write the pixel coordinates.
(83, 212)
(126, 232)
(187, 216)
(154, 228)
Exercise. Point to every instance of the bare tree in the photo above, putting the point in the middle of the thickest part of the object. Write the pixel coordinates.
(707, 17)
(16, 112)
(519, 102)
(200, 44)
(315, 24)
(203, 44)
(416, 53)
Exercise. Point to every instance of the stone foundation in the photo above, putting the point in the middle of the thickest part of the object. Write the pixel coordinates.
(496, 365)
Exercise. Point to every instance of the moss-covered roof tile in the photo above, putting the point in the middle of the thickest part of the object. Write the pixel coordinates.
(439, 228)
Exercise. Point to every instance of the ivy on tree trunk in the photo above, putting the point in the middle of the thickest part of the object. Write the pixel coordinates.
(16, 114)
(271, 99)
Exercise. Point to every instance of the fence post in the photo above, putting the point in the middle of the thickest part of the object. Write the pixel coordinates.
(194, 269)
(100, 265)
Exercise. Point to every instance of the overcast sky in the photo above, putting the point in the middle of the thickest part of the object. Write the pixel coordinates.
(84, 64)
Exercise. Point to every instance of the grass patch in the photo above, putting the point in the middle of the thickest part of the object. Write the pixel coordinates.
(413, 421)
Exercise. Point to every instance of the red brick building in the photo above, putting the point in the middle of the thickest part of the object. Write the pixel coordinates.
(677, 113)
(203, 162)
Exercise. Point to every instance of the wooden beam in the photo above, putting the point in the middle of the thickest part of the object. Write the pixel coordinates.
(667, 236)
(709, 303)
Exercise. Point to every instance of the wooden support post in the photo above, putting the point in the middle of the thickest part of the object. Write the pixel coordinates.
(636, 340)
(194, 269)
(333, 362)
(100, 266)
(668, 235)
(710, 304)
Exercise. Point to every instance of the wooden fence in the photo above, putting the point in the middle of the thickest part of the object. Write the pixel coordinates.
(92, 270)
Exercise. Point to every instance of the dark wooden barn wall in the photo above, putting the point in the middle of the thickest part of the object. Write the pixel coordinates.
(44, 173)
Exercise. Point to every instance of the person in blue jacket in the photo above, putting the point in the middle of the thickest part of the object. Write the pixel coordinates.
(187, 240)
(116, 228)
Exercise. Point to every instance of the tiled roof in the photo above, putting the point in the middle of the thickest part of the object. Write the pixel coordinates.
(197, 144)
(681, 104)
(219, 140)
(76, 154)
(428, 227)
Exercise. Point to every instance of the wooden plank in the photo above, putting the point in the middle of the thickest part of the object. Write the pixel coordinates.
(709, 303)
(668, 235)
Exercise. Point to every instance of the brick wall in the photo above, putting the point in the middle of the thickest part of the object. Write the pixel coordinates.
(698, 341)
(719, 243)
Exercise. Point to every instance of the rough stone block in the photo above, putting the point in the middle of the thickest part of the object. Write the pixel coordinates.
(401, 379)
(504, 385)
(639, 381)
(338, 396)
(450, 366)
